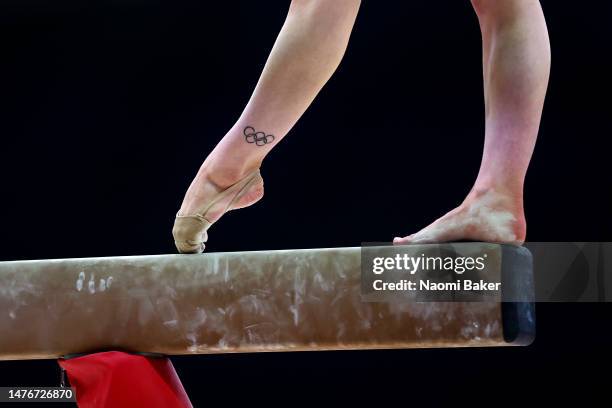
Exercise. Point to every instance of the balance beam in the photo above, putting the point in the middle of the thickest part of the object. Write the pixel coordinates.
(307, 299)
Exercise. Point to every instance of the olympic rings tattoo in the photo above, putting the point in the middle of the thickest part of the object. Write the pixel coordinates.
(259, 138)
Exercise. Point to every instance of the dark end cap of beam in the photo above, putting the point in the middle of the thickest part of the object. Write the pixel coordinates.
(518, 314)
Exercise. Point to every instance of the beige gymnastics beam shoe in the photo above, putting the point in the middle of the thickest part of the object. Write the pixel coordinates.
(190, 231)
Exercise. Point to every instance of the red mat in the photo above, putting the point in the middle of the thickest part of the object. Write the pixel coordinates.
(116, 379)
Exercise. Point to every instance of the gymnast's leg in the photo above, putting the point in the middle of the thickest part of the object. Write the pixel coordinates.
(307, 51)
(516, 62)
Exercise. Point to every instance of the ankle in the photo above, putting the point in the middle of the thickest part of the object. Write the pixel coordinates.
(501, 196)
(498, 186)
(499, 201)
(224, 174)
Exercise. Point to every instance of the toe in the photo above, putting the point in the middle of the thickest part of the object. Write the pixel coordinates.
(402, 240)
(190, 234)
(427, 235)
(185, 247)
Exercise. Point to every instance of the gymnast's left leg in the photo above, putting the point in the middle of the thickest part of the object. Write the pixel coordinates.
(516, 62)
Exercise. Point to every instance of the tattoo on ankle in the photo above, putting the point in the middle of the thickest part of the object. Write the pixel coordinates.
(259, 138)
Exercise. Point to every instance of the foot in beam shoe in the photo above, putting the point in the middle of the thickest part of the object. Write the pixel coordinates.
(487, 215)
(211, 194)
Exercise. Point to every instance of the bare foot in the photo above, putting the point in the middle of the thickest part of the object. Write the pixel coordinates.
(209, 183)
(488, 216)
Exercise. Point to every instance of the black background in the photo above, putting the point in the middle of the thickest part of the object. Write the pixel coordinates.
(108, 109)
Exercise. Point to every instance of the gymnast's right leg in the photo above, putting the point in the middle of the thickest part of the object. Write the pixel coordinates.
(307, 51)
(516, 67)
